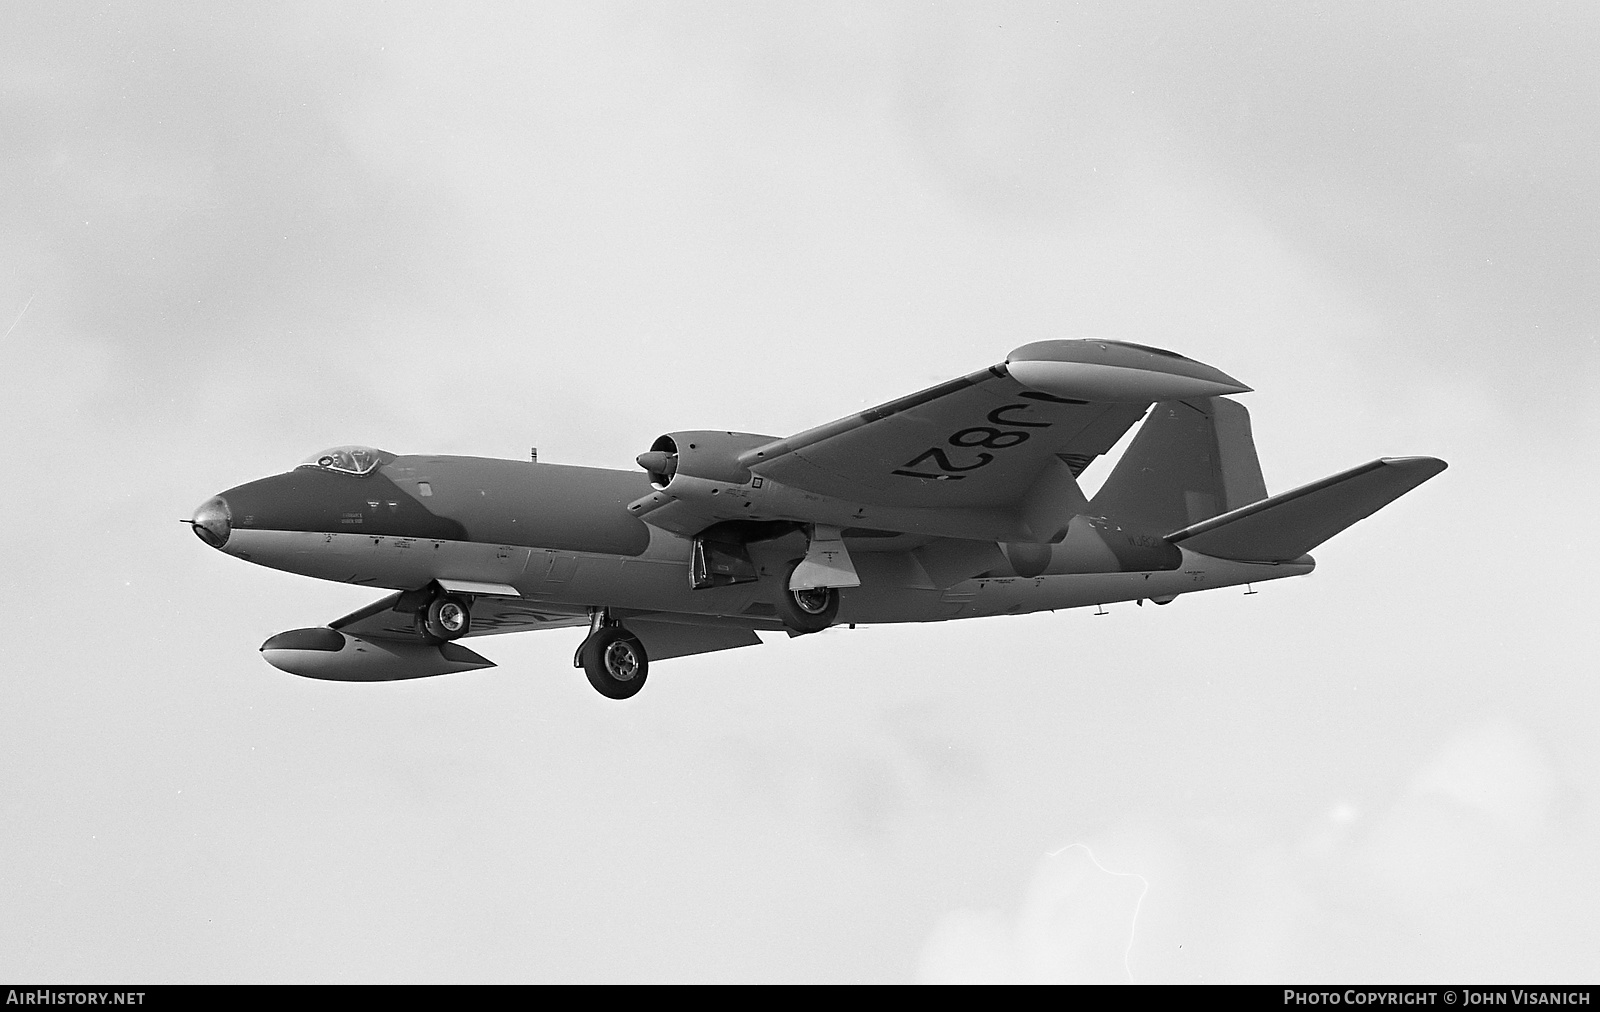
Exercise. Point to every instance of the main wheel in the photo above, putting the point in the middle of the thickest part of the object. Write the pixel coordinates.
(447, 617)
(615, 662)
(806, 611)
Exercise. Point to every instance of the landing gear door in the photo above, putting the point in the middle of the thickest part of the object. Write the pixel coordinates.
(720, 564)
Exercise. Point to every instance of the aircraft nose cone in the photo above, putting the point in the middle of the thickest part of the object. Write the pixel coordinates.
(212, 522)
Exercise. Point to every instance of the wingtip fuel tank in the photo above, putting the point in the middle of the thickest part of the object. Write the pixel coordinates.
(1115, 371)
(335, 656)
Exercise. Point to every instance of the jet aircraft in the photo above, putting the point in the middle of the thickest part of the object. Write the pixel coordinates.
(959, 501)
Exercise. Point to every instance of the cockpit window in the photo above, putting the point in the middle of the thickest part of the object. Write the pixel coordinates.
(347, 459)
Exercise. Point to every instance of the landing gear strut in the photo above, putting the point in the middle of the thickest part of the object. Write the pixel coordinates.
(613, 658)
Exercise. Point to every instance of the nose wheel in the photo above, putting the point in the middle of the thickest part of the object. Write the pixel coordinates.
(447, 617)
(615, 662)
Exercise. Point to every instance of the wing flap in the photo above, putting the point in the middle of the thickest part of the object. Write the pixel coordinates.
(1286, 526)
(663, 640)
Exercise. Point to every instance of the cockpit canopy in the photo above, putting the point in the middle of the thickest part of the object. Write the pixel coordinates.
(348, 459)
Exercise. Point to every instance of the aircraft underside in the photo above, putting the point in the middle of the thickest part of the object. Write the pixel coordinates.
(894, 587)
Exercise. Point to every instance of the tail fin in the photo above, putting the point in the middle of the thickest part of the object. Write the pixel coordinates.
(1292, 523)
(1191, 460)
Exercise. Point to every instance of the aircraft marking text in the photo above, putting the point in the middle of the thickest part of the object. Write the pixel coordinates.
(986, 436)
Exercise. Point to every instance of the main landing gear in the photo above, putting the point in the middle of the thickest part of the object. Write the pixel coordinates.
(808, 598)
(806, 611)
(445, 617)
(613, 658)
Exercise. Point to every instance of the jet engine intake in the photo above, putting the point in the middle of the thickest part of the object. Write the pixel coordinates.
(707, 454)
(697, 480)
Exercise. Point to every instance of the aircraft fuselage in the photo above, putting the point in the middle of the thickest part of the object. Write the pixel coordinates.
(561, 535)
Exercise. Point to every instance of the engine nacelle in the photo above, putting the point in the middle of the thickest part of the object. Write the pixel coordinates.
(340, 657)
(698, 480)
(706, 454)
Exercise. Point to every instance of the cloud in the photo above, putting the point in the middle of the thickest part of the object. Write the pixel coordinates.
(1077, 925)
(1465, 876)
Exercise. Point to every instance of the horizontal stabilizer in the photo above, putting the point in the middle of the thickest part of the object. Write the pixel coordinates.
(1288, 525)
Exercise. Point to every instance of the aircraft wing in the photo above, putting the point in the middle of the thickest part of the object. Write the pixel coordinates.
(983, 439)
(380, 644)
(664, 635)
(490, 615)
(976, 441)
(991, 455)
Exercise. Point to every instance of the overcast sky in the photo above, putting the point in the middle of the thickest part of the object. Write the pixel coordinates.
(232, 236)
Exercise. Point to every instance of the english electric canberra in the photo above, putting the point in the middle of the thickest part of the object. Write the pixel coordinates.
(959, 501)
